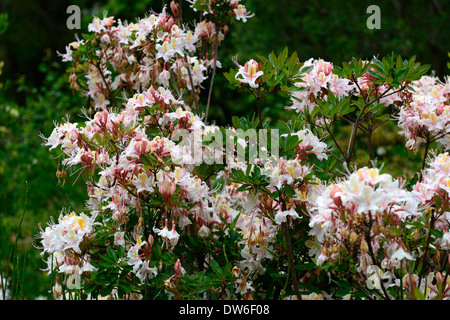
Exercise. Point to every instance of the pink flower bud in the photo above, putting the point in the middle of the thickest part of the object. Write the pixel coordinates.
(179, 270)
(334, 190)
(175, 8)
(167, 189)
(150, 240)
(140, 147)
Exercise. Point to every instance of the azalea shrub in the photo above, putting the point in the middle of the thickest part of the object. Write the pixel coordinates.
(180, 208)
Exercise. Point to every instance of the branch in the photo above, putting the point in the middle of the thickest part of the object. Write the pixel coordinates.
(352, 140)
(427, 147)
(372, 255)
(192, 85)
(258, 106)
(287, 237)
(216, 49)
(110, 96)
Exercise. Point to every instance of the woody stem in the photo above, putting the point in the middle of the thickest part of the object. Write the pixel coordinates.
(287, 237)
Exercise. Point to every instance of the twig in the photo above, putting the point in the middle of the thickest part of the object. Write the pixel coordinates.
(372, 255)
(258, 106)
(287, 237)
(369, 143)
(216, 49)
(433, 219)
(424, 161)
(110, 96)
(291, 260)
(352, 140)
(194, 93)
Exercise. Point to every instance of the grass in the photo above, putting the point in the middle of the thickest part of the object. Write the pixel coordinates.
(12, 275)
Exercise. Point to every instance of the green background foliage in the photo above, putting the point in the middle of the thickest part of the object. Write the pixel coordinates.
(34, 91)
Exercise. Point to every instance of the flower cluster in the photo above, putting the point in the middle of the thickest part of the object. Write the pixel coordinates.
(259, 215)
(352, 216)
(63, 241)
(236, 9)
(155, 50)
(257, 231)
(384, 93)
(310, 144)
(316, 84)
(425, 116)
(133, 168)
(433, 192)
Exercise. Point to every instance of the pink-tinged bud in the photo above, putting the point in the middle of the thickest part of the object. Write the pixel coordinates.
(409, 282)
(101, 119)
(334, 190)
(120, 173)
(439, 278)
(327, 69)
(141, 147)
(175, 8)
(364, 85)
(150, 240)
(169, 24)
(179, 270)
(87, 157)
(167, 189)
(210, 27)
(337, 201)
(440, 109)
(153, 92)
(112, 127)
(225, 29)
(351, 207)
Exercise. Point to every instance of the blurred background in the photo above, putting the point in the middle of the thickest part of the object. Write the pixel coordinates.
(34, 92)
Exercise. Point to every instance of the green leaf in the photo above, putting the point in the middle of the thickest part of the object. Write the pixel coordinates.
(243, 187)
(216, 268)
(306, 69)
(378, 66)
(275, 195)
(126, 286)
(89, 288)
(291, 142)
(107, 291)
(343, 292)
(231, 77)
(288, 190)
(437, 233)
(112, 254)
(401, 74)
(107, 260)
(235, 122)
(278, 275)
(305, 266)
(437, 200)
(200, 5)
(233, 223)
(273, 59)
(293, 61)
(309, 287)
(338, 71)
(376, 75)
